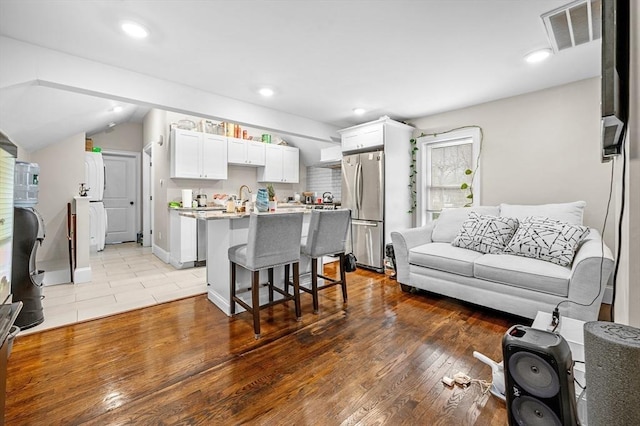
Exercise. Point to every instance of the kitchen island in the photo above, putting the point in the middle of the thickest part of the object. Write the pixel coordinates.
(225, 230)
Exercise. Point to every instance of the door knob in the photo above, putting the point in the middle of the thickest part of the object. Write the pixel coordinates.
(131, 202)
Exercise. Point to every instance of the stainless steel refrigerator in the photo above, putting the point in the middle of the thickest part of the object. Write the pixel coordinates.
(363, 193)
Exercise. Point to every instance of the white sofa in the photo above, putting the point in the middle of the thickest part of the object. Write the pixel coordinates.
(519, 285)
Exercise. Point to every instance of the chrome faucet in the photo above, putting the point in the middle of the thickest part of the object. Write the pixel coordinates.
(240, 192)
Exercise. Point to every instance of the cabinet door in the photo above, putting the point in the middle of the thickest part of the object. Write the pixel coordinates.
(272, 170)
(366, 137)
(290, 165)
(237, 151)
(255, 153)
(214, 156)
(185, 154)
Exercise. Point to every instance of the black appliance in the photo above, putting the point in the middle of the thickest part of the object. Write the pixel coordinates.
(615, 76)
(538, 372)
(26, 279)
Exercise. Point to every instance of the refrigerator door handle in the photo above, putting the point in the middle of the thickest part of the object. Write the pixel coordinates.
(358, 187)
(364, 223)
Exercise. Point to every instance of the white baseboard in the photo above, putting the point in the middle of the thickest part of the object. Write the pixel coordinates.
(56, 276)
(217, 300)
(181, 265)
(160, 253)
(82, 275)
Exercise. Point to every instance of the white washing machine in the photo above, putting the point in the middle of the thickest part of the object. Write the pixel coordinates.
(97, 226)
(94, 175)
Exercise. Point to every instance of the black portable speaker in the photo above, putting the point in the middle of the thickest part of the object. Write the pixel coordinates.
(538, 378)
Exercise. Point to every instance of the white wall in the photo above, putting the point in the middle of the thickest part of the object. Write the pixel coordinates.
(541, 147)
(61, 171)
(123, 137)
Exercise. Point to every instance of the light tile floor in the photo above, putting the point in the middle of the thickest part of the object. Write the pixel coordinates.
(124, 277)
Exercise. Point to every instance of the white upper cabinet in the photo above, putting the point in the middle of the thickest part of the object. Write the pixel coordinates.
(245, 152)
(282, 164)
(366, 137)
(196, 155)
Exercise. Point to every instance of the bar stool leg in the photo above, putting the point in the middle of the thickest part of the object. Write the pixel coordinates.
(343, 278)
(233, 288)
(286, 278)
(255, 302)
(270, 284)
(296, 290)
(314, 284)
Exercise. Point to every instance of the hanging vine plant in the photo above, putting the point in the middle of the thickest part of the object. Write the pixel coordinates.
(413, 170)
(413, 173)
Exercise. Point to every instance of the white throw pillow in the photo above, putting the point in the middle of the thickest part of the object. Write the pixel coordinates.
(547, 239)
(486, 234)
(450, 220)
(565, 212)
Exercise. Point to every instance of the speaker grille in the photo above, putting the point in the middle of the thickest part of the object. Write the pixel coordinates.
(532, 412)
(534, 374)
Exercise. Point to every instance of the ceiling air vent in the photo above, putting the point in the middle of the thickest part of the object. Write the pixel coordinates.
(574, 24)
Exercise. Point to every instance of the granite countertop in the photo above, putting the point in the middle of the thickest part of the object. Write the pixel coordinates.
(217, 215)
(194, 209)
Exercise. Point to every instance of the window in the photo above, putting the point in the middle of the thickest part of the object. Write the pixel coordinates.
(443, 160)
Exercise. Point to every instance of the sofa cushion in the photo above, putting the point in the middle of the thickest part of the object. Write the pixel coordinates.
(565, 212)
(450, 220)
(484, 233)
(444, 257)
(524, 272)
(547, 239)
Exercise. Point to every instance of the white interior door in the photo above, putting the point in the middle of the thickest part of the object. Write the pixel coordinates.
(120, 196)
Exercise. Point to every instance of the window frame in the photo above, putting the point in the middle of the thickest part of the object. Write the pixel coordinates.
(424, 144)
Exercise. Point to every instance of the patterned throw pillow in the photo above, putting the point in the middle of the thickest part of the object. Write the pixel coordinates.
(547, 239)
(486, 234)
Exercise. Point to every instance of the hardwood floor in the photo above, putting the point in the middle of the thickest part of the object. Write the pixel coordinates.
(378, 360)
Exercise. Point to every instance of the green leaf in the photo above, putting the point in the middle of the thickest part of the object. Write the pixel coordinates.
(467, 205)
(468, 172)
(464, 186)
(470, 196)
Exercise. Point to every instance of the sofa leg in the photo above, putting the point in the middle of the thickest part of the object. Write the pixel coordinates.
(405, 288)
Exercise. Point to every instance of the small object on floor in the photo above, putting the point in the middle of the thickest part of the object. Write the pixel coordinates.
(448, 381)
(462, 379)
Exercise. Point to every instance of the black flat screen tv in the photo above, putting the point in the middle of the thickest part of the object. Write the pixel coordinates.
(615, 76)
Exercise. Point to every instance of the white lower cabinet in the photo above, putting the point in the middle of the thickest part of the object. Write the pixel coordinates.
(196, 155)
(282, 164)
(183, 240)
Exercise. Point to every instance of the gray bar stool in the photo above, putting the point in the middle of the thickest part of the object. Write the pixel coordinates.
(274, 240)
(327, 236)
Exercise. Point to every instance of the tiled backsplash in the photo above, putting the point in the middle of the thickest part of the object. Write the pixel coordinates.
(321, 180)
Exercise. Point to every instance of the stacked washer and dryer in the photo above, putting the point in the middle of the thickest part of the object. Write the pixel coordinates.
(95, 181)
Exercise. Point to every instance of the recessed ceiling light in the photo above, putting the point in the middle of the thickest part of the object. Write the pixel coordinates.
(359, 111)
(111, 125)
(135, 30)
(116, 108)
(266, 92)
(538, 55)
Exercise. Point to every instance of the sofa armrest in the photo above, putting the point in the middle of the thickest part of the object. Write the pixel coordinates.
(405, 240)
(589, 275)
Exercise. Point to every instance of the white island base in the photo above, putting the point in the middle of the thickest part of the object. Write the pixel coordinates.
(224, 231)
